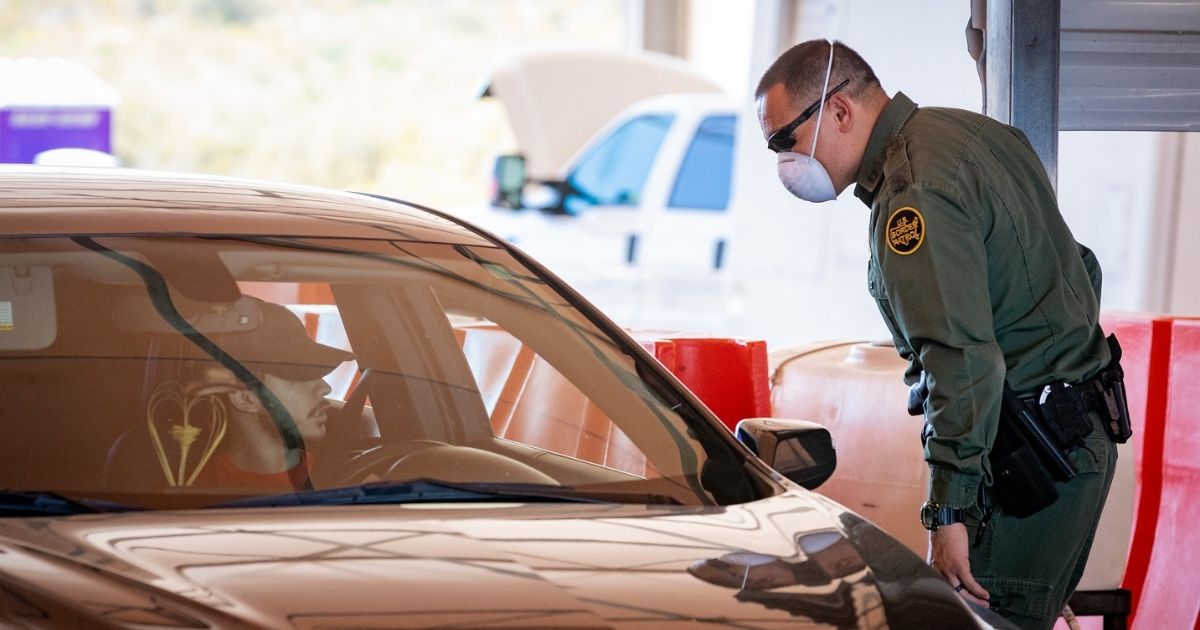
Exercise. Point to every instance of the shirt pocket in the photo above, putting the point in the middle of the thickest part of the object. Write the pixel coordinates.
(875, 282)
(876, 289)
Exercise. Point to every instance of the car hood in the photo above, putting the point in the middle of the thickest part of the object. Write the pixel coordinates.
(794, 560)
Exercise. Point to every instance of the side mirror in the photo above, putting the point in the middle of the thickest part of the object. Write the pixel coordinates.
(508, 178)
(800, 450)
(547, 197)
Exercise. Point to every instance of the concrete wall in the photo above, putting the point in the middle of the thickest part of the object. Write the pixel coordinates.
(1182, 232)
(1108, 190)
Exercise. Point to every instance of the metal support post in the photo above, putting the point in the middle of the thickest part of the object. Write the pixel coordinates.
(1022, 72)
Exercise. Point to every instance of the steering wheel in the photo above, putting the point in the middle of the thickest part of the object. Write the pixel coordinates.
(375, 461)
(417, 459)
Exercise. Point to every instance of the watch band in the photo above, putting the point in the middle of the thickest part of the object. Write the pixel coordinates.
(934, 516)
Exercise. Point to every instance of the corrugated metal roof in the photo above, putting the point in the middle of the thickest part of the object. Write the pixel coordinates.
(1130, 65)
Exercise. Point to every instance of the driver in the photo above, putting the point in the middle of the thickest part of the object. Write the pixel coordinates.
(291, 366)
(213, 429)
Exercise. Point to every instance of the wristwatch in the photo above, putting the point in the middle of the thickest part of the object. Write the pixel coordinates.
(934, 516)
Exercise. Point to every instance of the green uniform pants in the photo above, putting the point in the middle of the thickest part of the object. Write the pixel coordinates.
(1030, 566)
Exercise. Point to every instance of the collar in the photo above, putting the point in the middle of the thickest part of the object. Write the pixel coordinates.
(891, 120)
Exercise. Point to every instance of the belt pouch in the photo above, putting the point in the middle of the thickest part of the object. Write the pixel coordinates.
(1020, 484)
(1064, 415)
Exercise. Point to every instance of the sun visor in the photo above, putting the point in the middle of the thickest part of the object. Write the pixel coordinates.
(27, 316)
(138, 314)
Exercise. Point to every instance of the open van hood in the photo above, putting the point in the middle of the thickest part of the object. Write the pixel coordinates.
(556, 100)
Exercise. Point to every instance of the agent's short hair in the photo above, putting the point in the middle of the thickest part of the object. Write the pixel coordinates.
(801, 70)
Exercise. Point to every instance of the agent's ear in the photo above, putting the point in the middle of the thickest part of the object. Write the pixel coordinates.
(244, 401)
(839, 107)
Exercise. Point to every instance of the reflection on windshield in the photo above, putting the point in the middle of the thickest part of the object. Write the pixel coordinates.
(213, 368)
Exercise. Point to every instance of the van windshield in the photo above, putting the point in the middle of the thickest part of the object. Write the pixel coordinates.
(614, 172)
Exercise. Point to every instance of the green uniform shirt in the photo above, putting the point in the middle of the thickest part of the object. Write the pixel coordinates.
(977, 276)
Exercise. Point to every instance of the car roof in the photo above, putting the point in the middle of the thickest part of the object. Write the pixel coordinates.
(42, 200)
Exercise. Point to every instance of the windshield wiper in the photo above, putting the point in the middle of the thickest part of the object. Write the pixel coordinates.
(426, 491)
(40, 503)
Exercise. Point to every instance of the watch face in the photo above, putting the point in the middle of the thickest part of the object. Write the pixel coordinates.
(934, 516)
(927, 520)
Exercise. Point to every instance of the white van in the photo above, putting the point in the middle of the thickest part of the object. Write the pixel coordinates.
(671, 216)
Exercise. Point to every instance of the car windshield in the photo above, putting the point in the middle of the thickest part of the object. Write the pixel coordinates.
(193, 371)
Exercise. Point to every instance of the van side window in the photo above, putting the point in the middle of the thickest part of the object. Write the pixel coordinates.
(704, 176)
(614, 172)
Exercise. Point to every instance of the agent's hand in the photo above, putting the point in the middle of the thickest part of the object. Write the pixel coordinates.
(948, 554)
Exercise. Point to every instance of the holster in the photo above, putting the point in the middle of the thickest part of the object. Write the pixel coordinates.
(1109, 400)
(1020, 483)
(1021, 458)
(1025, 460)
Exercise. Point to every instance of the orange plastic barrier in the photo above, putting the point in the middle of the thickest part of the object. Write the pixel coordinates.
(662, 349)
(1170, 596)
(1146, 347)
(728, 375)
(531, 402)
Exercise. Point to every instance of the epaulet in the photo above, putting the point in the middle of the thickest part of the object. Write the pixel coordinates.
(897, 174)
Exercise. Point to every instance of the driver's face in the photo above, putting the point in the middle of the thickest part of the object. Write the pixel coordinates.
(304, 401)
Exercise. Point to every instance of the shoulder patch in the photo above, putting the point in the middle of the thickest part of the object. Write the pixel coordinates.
(905, 231)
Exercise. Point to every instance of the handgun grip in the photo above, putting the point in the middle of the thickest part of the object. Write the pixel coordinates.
(1036, 436)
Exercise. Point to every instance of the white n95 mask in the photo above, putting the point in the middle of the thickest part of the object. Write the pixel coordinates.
(803, 176)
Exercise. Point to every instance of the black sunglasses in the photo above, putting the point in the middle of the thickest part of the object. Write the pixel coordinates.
(782, 139)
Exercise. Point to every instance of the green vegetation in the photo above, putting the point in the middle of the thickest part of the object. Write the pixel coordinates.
(372, 95)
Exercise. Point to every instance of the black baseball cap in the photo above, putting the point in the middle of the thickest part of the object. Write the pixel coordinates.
(280, 345)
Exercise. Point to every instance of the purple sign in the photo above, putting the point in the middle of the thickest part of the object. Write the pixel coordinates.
(26, 131)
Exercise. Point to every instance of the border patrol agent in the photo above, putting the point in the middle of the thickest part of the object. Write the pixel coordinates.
(981, 284)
